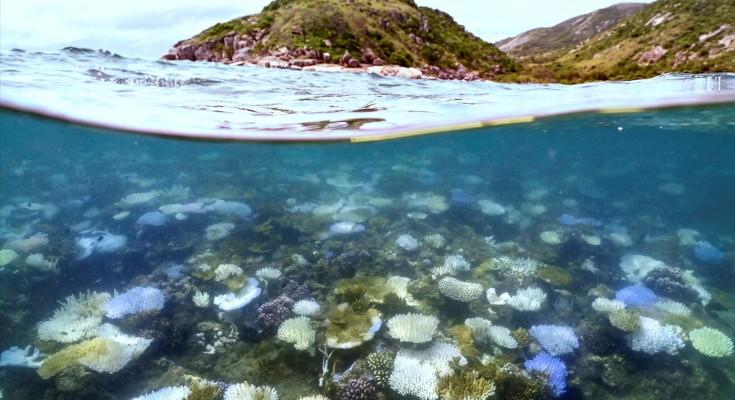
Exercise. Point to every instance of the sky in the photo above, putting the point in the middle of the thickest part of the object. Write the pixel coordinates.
(146, 29)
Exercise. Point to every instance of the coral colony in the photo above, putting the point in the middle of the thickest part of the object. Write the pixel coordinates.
(390, 282)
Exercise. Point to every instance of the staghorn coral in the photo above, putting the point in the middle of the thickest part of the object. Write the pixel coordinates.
(653, 337)
(168, 393)
(298, 332)
(626, 320)
(465, 385)
(552, 368)
(136, 300)
(393, 304)
(555, 339)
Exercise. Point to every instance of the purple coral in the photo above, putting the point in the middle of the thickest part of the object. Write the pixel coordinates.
(295, 291)
(274, 312)
(552, 367)
(669, 282)
(358, 389)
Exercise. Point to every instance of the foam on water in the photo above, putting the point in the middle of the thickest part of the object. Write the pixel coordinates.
(253, 103)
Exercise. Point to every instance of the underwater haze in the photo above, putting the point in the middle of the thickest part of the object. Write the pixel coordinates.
(199, 231)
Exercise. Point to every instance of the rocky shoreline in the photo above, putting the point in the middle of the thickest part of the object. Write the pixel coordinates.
(235, 49)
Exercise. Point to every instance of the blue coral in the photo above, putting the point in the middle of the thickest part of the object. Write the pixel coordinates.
(553, 368)
(636, 296)
(705, 253)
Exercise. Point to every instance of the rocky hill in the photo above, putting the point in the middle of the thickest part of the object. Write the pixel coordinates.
(548, 42)
(301, 34)
(690, 36)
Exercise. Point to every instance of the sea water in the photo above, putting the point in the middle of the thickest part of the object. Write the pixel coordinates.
(209, 185)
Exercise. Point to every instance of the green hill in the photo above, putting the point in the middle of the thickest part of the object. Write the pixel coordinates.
(690, 36)
(539, 43)
(296, 33)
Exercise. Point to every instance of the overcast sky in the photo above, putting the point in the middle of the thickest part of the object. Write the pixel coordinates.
(148, 28)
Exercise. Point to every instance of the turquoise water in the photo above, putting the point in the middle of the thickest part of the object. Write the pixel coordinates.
(562, 204)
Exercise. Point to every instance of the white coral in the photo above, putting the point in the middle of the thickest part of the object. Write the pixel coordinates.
(604, 305)
(460, 290)
(246, 391)
(306, 307)
(413, 328)
(452, 264)
(298, 332)
(201, 299)
(268, 273)
(653, 337)
(167, 393)
(528, 299)
(225, 271)
(77, 319)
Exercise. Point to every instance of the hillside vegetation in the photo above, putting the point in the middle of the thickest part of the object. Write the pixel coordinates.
(396, 31)
(690, 36)
(547, 43)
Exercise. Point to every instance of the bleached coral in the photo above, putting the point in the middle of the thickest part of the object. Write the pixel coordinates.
(136, 300)
(413, 328)
(502, 337)
(29, 357)
(306, 307)
(435, 241)
(604, 305)
(225, 271)
(201, 299)
(711, 342)
(704, 295)
(77, 319)
(7, 256)
(167, 393)
(636, 266)
(555, 339)
(109, 352)
(27, 244)
(246, 391)
(36, 260)
(516, 267)
(298, 332)
(140, 198)
(490, 208)
(452, 264)
(411, 377)
(268, 273)
(407, 242)
(673, 307)
(528, 299)
(231, 301)
(219, 231)
(654, 337)
(224, 207)
(479, 327)
(460, 290)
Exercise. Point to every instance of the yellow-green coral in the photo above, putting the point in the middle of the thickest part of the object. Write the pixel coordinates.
(87, 350)
(626, 320)
(522, 337)
(465, 385)
(554, 275)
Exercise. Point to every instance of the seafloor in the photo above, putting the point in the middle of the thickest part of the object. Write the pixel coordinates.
(576, 258)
